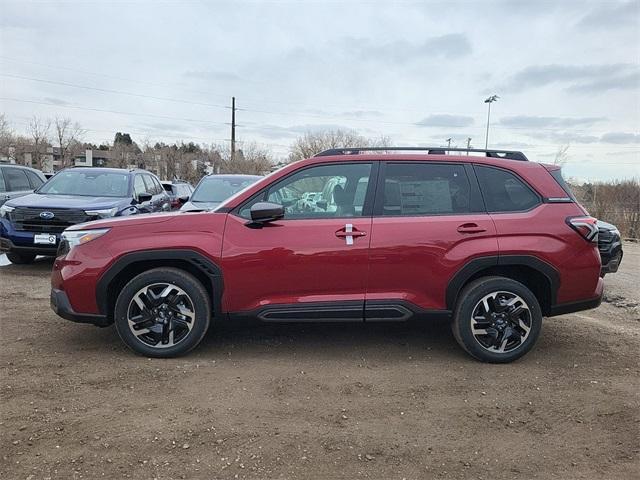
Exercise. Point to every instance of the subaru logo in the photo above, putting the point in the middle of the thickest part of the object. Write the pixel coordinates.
(47, 215)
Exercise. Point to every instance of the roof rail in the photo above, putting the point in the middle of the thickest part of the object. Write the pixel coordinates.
(493, 153)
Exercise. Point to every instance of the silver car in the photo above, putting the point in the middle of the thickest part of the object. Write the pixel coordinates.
(16, 181)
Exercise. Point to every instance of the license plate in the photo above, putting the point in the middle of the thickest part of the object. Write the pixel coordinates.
(45, 238)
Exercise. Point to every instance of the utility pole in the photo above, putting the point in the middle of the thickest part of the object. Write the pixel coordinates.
(233, 128)
(448, 143)
(490, 100)
(468, 145)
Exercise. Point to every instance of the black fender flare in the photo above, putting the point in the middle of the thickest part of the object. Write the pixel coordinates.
(199, 261)
(481, 263)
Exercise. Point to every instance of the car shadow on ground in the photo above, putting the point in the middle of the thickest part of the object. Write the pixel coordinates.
(320, 341)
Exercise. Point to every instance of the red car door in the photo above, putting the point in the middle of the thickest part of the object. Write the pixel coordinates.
(429, 220)
(312, 264)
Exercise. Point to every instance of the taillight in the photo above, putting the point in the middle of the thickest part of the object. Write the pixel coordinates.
(586, 226)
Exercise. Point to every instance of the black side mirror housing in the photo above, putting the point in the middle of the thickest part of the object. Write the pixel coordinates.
(144, 197)
(265, 212)
(183, 200)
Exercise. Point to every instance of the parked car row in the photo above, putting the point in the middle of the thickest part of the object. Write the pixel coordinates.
(35, 211)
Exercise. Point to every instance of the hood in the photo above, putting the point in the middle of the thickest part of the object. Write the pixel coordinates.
(130, 220)
(606, 226)
(194, 206)
(67, 201)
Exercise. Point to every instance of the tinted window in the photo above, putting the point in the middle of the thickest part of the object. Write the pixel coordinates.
(557, 175)
(504, 192)
(324, 191)
(425, 189)
(150, 184)
(139, 186)
(218, 189)
(159, 188)
(2, 188)
(89, 183)
(16, 180)
(35, 180)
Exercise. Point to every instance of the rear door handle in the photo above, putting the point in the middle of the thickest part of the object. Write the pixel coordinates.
(471, 228)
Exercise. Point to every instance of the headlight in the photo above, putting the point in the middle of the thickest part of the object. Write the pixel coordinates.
(79, 237)
(104, 213)
(4, 209)
(615, 231)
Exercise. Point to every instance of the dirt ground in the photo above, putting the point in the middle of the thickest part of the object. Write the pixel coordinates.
(320, 401)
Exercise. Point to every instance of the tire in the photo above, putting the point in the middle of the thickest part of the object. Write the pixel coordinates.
(21, 258)
(168, 309)
(510, 331)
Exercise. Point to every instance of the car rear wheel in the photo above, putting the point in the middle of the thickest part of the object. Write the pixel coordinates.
(164, 312)
(497, 319)
(20, 258)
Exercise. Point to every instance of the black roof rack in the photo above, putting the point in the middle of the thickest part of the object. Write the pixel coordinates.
(493, 153)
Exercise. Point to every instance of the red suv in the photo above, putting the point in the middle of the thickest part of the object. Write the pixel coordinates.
(493, 242)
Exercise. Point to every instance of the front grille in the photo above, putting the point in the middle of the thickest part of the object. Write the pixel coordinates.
(28, 219)
(605, 237)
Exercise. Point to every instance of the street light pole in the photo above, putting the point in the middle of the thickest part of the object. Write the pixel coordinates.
(489, 101)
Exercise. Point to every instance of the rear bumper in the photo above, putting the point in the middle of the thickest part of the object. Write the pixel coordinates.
(580, 305)
(61, 305)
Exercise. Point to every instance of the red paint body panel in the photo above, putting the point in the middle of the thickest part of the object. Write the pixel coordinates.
(293, 261)
(413, 258)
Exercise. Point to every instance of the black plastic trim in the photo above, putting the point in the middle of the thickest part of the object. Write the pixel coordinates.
(478, 264)
(572, 307)
(202, 263)
(62, 307)
(346, 311)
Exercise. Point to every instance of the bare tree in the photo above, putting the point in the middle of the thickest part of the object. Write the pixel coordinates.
(251, 159)
(38, 129)
(562, 155)
(314, 142)
(6, 138)
(69, 138)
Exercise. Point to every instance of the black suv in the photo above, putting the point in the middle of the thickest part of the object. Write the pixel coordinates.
(610, 247)
(31, 225)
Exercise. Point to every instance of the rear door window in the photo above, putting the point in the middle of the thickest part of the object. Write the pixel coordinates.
(503, 191)
(415, 189)
(16, 180)
(35, 180)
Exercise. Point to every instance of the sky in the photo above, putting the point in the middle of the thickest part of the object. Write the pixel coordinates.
(567, 72)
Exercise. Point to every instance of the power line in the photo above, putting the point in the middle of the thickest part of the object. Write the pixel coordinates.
(92, 109)
(119, 92)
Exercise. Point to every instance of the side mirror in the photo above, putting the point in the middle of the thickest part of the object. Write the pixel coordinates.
(264, 212)
(184, 199)
(144, 197)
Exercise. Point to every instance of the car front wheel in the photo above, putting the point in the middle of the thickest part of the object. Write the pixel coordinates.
(164, 312)
(497, 319)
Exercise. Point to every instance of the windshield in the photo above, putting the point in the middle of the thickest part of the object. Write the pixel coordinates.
(88, 183)
(218, 189)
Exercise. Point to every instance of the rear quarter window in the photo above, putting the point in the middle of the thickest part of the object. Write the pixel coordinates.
(505, 192)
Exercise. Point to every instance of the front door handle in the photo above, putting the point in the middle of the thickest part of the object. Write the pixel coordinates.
(471, 228)
(348, 232)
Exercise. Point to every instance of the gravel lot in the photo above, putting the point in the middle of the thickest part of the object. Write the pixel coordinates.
(319, 401)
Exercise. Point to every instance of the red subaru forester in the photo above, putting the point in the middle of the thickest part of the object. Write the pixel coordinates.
(493, 242)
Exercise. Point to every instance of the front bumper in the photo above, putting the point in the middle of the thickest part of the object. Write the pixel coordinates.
(61, 305)
(12, 240)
